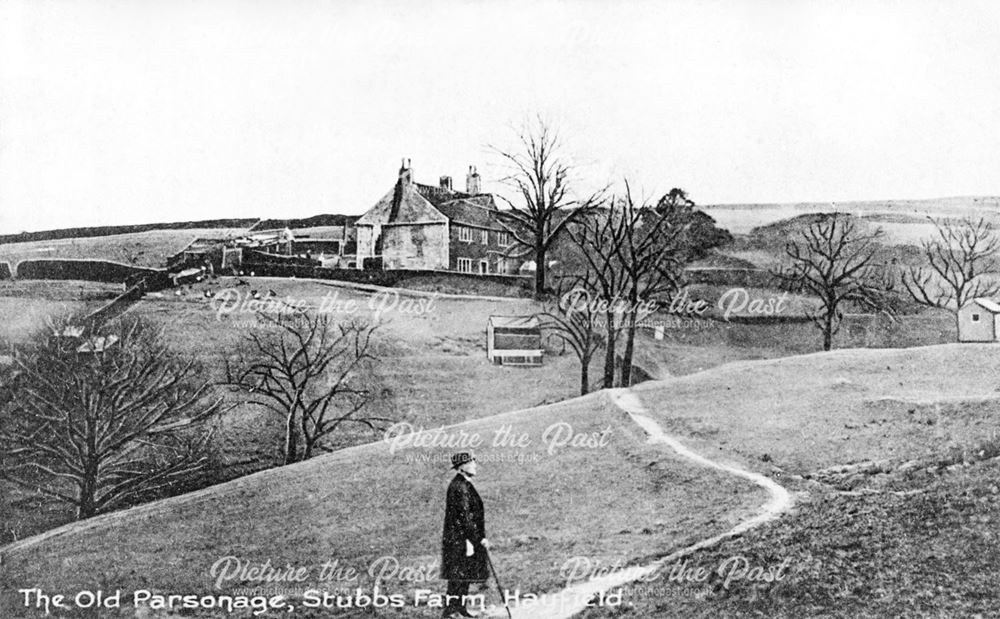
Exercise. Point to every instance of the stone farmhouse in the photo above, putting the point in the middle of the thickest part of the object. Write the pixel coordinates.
(430, 227)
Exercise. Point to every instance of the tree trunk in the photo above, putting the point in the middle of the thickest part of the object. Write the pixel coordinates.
(828, 331)
(626, 380)
(86, 506)
(539, 269)
(584, 376)
(291, 438)
(609, 350)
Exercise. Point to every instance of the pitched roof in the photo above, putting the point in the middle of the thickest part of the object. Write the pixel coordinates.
(988, 304)
(467, 211)
(404, 204)
(416, 203)
(514, 322)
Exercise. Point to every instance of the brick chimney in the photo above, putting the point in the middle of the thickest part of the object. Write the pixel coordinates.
(472, 181)
(406, 171)
(446, 183)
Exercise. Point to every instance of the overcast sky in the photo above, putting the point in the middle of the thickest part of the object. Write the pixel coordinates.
(167, 110)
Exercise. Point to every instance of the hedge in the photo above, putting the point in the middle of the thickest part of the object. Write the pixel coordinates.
(5, 272)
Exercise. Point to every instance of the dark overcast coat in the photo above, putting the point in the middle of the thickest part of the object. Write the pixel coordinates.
(463, 520)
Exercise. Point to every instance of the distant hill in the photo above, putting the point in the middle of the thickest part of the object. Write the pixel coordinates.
(252, 223)
(957, 203)
(781, 229)
(307, 222)
(742, 218)
(765, 244)
(66, 233)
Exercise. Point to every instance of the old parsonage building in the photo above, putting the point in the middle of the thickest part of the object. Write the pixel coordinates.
(417, 226)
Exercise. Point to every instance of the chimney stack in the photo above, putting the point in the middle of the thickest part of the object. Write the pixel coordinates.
(472, 181)
(406, 171)
(446, 183)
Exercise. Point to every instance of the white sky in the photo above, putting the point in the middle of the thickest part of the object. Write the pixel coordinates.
(167, 110)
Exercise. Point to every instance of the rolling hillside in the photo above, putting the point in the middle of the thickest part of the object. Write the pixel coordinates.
(741, 218)
(621, 499)
(615, 498)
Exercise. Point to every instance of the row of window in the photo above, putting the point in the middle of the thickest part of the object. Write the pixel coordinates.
(469, 235)
(467, 265)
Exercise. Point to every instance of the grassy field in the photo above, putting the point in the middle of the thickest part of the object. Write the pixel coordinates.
(695, 345)
(795, 419)
(26, 305)
(928, 549)
(151, 248)
(432, 368)
(907, 528)
(800, 415)
(620, 499)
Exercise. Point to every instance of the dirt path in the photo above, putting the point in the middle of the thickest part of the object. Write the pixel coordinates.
(572, 600)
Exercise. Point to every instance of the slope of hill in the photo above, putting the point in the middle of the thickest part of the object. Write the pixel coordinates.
(906, 529)
(306, 222)
(926, 549)
(741, 218)
(96, 231)
(605, 495)
(609, 499)
(146, 248)
(806, 413)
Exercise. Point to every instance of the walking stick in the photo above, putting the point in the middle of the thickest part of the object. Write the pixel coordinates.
(500, 588)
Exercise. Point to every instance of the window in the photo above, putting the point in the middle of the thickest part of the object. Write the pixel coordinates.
(503, 239)
(975, 318)
(465, 265)
(484, 267)
(485, 235)
(465, 234)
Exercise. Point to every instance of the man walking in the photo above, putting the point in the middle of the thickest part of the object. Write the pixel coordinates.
(464, 543)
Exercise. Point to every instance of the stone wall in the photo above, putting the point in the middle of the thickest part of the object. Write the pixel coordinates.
(415, 246)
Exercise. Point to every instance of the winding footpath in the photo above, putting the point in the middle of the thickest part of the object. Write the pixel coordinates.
(568, 602)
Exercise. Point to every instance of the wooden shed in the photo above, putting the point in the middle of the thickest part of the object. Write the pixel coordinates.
(514, 340)
(979, 321)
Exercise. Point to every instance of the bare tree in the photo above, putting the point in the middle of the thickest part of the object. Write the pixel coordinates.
(653, 253)
(835, 260)
(310, 371)
(597, 238)
(103, 418)
(635, 254)
(540, 174)
(961, 265)
(573, 318)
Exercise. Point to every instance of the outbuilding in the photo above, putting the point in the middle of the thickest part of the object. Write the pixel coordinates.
(514, 340)
(979, 321)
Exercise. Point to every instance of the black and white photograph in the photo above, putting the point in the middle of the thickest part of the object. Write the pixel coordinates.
(523, 309)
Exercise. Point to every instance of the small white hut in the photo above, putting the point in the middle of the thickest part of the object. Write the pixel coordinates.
(514, 340)
(979, 321)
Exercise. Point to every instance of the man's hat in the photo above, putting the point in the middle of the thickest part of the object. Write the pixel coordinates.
(461, 458)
